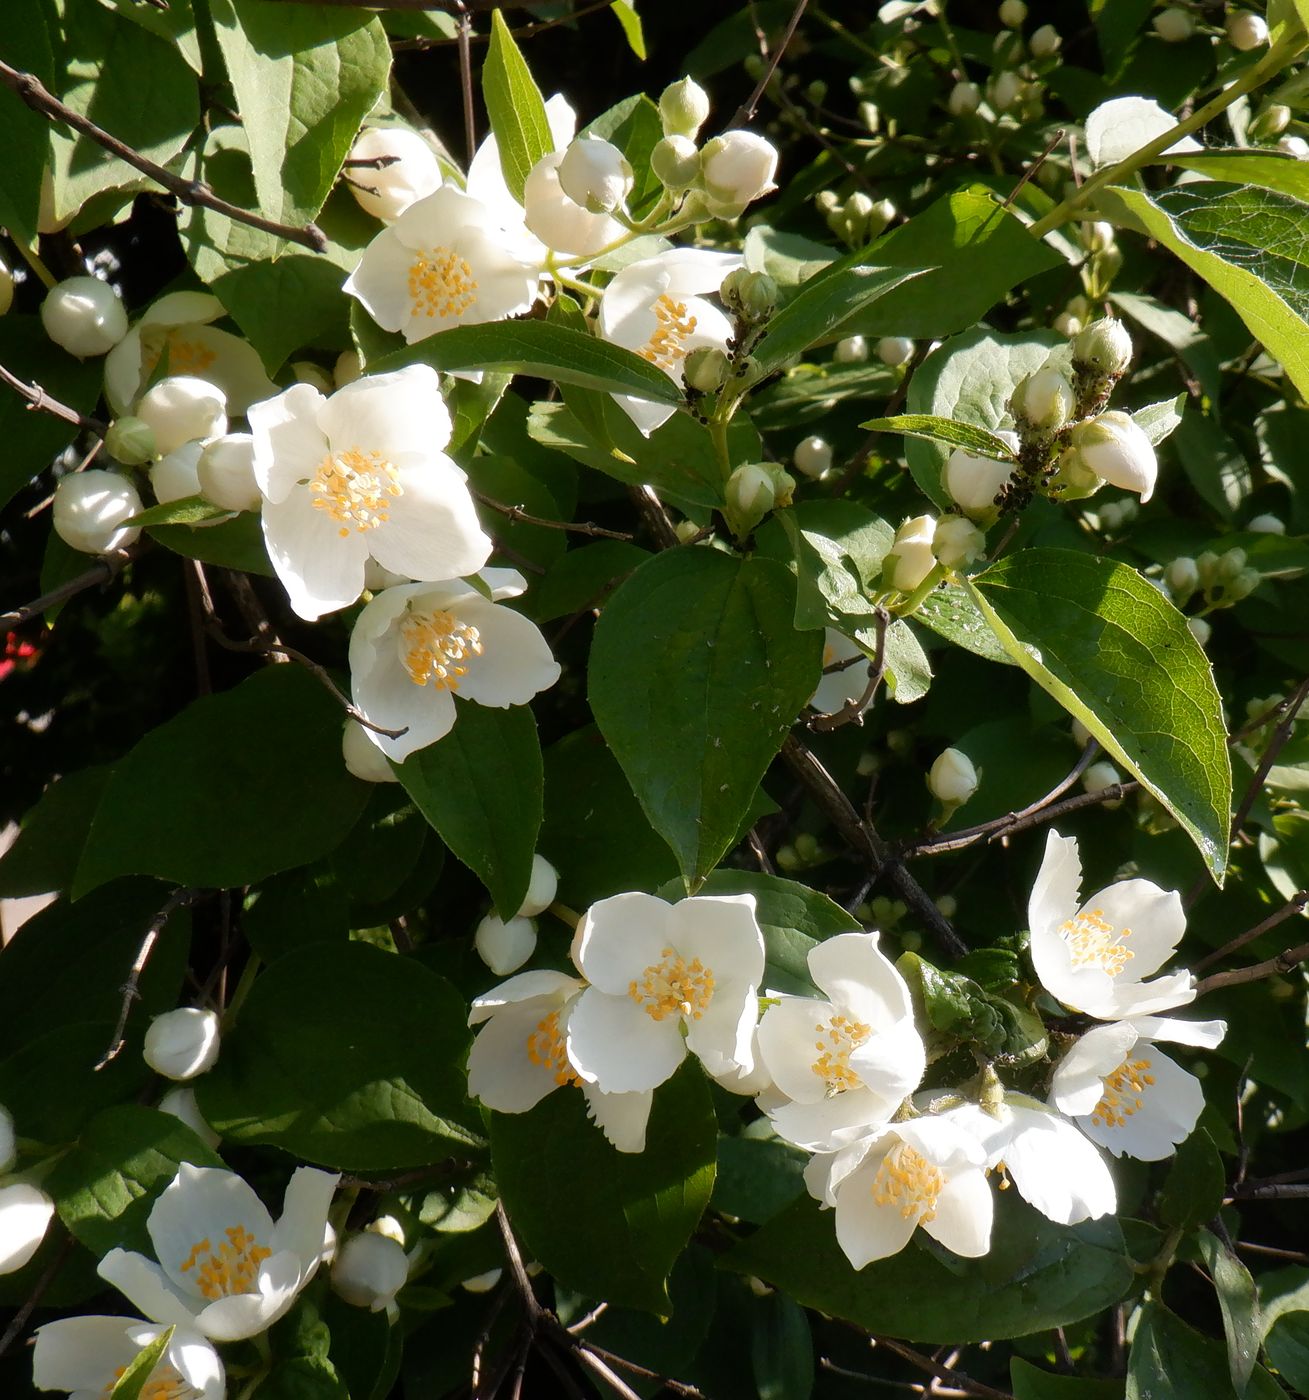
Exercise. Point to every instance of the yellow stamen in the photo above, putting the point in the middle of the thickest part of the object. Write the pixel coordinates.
(164, 1384)
(1122, 1093)
(441, 283)
(546, 1048)
(673, 987)
(231, 1268)
(184, 356)
(354, 488)
(434, 647)
(909, 1183)
(667, 344)
(837, 1039)
(1094, 942)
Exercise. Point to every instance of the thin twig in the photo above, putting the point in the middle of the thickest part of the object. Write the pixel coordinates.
(1287, 911)
(525, 32)
(104, 569)
(466, 81)
(852, 712)
(655, 516)
(1268, 1192)
(33, 1299)
(517, 513)
(1034, 167)
(39, 400)
(1274, 967)
(745, 112)
(29, 89)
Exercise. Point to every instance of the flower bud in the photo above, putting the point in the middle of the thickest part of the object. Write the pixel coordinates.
(735, 169)
(362, 757)
(675, 161)
(541, 888)
(1112, 516)
(369, 1270)
(1243, 585)
(180, 1103)
(347, 369)
(1100, 776)
(89, 510)
(84, 316)
(226, 472)
(412, 171)
(871, 117)
(1267, 525)
(130, 441)
(957, 542)
(388, 1227)
(504, 945)
(852, 350)
(1200, 629)
(183, 1043)
(8, 1144)
(1013, 13)
(1066, 324)
(952, 778)
(683, 108)
(1104, 346)
(1044, 400)
(1097, 235)
(306, 372)
(1118, 451)
(183, 409)
(812, 456)
(1081, 734)
(1270, 122)
(1174, 25)
(1246, 31)
(894, 350)
(1006, 90)
(965, 98)
(706, 369)
(6, 287)
(974, 482)
(1182, 577)
(595, 174)
(752, 295)
(750, 495)
(1046, 42)
(911, 557)
(1295, 146)
(174, 477)
(25, 1212)
(482, 1283)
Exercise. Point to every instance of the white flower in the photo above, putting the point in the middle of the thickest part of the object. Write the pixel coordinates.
(179, 324)
(84, 316)
(8, 1144)
(595, 174)
(89, 510)
(736, 169)
(1105, 345)
(183, 409)
(847, 684)
(224, 1268)
(1123, 125)
(369, 1270)
(847, 1060)
(1093, 957)
(444, 262)
(852, 350)
(1267, 525)
(912, 556)
(504, 945)
(541, 888)
(180, 1103)
(1294, 146)
(520, 1055)
(665, 979)
(1044, 398)
(362, 474)
(182, 1043)
(1127, 1096)
(413, 172)
(25, 1212)
(659, 308)
(416, 645)
(957, 542)
(225, 472)
(952, 778)
(926, 1172)
(362, 757)
(563, 224)
(1116, 449)
(965, 98)
(86, 1356)
(1246, 30)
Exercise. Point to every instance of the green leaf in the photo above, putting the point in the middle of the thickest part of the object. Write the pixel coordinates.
(348, 1057)
(583, 578)
(1287, 1345)
(607, 1223)
(625, 13)
(235, 788)
(1213, 463)
(1030, 1383)
(757, 1177)
(781, 1350)
(695, 655)
(951, 613)
(230, 544)
(838, 548)
(45, 852)
(105, 1186)
(908, 671)
(1119, 657)
(1036, 1275)
(480, 787)
(1250, 245)
(189, 510)
(1269, 169)
(1239, 1304)
(305, 76)
(515, 107)
(25, 134)
(137, 1372)
(1180, 334)
(1159, 420)
(1196, 1184)
(978, 441)
(1171, 1361)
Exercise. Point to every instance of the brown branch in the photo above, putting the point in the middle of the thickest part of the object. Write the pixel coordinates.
(39, 1290)
(526, 32)
(1290, 908)
(655, 516)
(1034, 167)
(466, 81)
(745, 112)
(964, 1385)
(1252, 1191)
(852, 712)
(104, 569)
(29, 89)
(39, 400)
(1274, 967)
(518, 514)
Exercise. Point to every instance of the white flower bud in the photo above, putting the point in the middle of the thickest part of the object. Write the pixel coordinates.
(541, 888)
(84, 316)
(1104, 346)
(369, 1270)
(183, 1043)
(25, 1212)
(505, 945)
(6, 287)
(683, 108)
(974, 482)
(965, 98)
(130, 441)
(675, 161)
(412, 174)
(1097, 235)
(1045, 43)
(1174, 25)
(958, 541)
(911, 557)
(388, 1227)
(1081, 734)
(1118, 451)
(706, 369)
(1111, 516)
(1200, 629)
(736, 168)
(852, 350)
(1271, 121)
(812, 456)
(482, 1283)
(595, 174)
(894, 349)
(1295, 146)
(347, 369)
(1044, 399)
(226, 472)
(952, 778)
(1246, 31)
(89, 510)
(180, 1103)
(1067, 324)
(1100, 776)
(1182, 576)
(8, 1145)
(1013, 13)
(174, 477)
(306, 372)
(1243, 585)
(362, 757)
(1267, 525)
(182, 409)
(750, 491)
(1006, 90)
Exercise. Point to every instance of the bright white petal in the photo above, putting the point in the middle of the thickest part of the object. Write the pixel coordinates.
(722, 931)
(1077, 1083)
(396, 414)
(25, 1212)
(1147, 1120)
(384, 694)
(834, 1122)
(192, 1357)
(613, 1044)
(247, 1314)
(432, 532)
(289, 446)
(646, 415)
(381, 281)
(865, 1230)
(500, 1072)
(1204, 1035)
(1150, 922)
(1162, 994)
(622, 1118)
(81, 1353)
(321, 570)
(1053, 900)
(541, 986)
(202, 1203)
(722, 1036)
(964, 1211)
(619, 937)
(145, 1285)
(788, 1036)
(304, 1216)
(858, 977)
(892, 1062)
(1117, 129)
(1056, 1169)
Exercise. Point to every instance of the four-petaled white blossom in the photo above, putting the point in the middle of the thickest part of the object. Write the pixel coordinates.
(224, 1268)
(1128, 1096)
(86, 1356)
(1094, 957)
(416, 646)
(362, 474)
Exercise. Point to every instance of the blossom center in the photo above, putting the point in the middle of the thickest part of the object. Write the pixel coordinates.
(164, 1384)
(673, 987)
(673, 328)
(231, 1268)
(441, 283)
(355, 488)
(906, 1181)
(435, 648)
(545, 1048)
(184, 357)
(1094, 942)
(1122, 1093)
(837, 1039)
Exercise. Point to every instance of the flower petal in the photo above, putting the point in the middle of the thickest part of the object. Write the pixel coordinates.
(865, 1230)
(247, 1314)
(25, 1212)
(542, 986)
(722, 1035)
(1078, 1078)
(964, 1213)
(385, 694)
(723, 932)
(147, 1287)
(289, 446)
(1204, 1035)
(321, 570)
(1055, 1168)
(500, 1073)
(619, 937)
(397, 414)
(787, 1037)
(613, 1044)
(381, 280)
(1053, 900)
(304, 1216)
(516, 662)
(432, 532)
(81, 1353)
(1153, 1118)
(1151, 922)
(833, 1122)
(622, 1118)
(859, 978)
(202, 1203)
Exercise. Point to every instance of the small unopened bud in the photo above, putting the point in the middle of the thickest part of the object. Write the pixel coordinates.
(183, 1043)
(6, 287)
(1115, 449)
(974, 482)
(89, 510)
(1267, 525)
(1295, 146)
(1100, 776)
(675, 161)
(1104, 346)
(183, 409)
(947, 904)
(911, 557)
(752, 295)
(226, 472)
(965, 98)
(750, 491)
(1200, 629)
(894, 349)
(1207, 566)
(807, 847)
(1230, 565)
(706, 369)
(541, 888)
(816, 92)
(25, 1214)
(1182, 577)
(1097, 235)
(1174, 25)
(952, 778)
(306, 372)
(1270, 122)
(504, 945)
(362, 757)
(84, 316)
(852, 350)
(1066, 324)
(130, 441)
(957, 542)
(1112, 516)
(870, 115)
(174, 477)
(179, 1103)
(812, 456)
(1244, 584)
(410, 172)
(1006, 90)
(1045, 42)
(595, 174)
(1012, 13)
(1044, 399)
(736, 169)
(369, 1270)
(1081, 734)
(882, 213)
(1246, 31)
(347, 369)
(388, 1227)
(683, 108)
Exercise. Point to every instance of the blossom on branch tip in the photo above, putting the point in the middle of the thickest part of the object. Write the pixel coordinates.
(369, 1270)
(562, 223)
(84, 316)
(182, 1043)
(87, 1355)
(90, 508)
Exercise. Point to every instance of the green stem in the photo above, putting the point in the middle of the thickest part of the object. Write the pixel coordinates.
(242, 991)
(1272, 63)
(1159, 1265)
(572, 283)
(718, 432)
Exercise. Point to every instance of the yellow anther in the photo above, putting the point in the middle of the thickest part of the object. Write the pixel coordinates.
(837, 1039)
(546, 1048)
(673, 327)
(231, 1268)
(184, 356)
(673, 987)
(164, 1384)
(1123, 1090)
(355, 488)
(909, 1183)
(434, 647)
(1094, 942)
(441, 283)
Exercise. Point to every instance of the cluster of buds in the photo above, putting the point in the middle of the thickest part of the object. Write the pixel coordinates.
(1216, 580)
(754, 489)
(504, 945)
(857, 219)
(924, 548)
